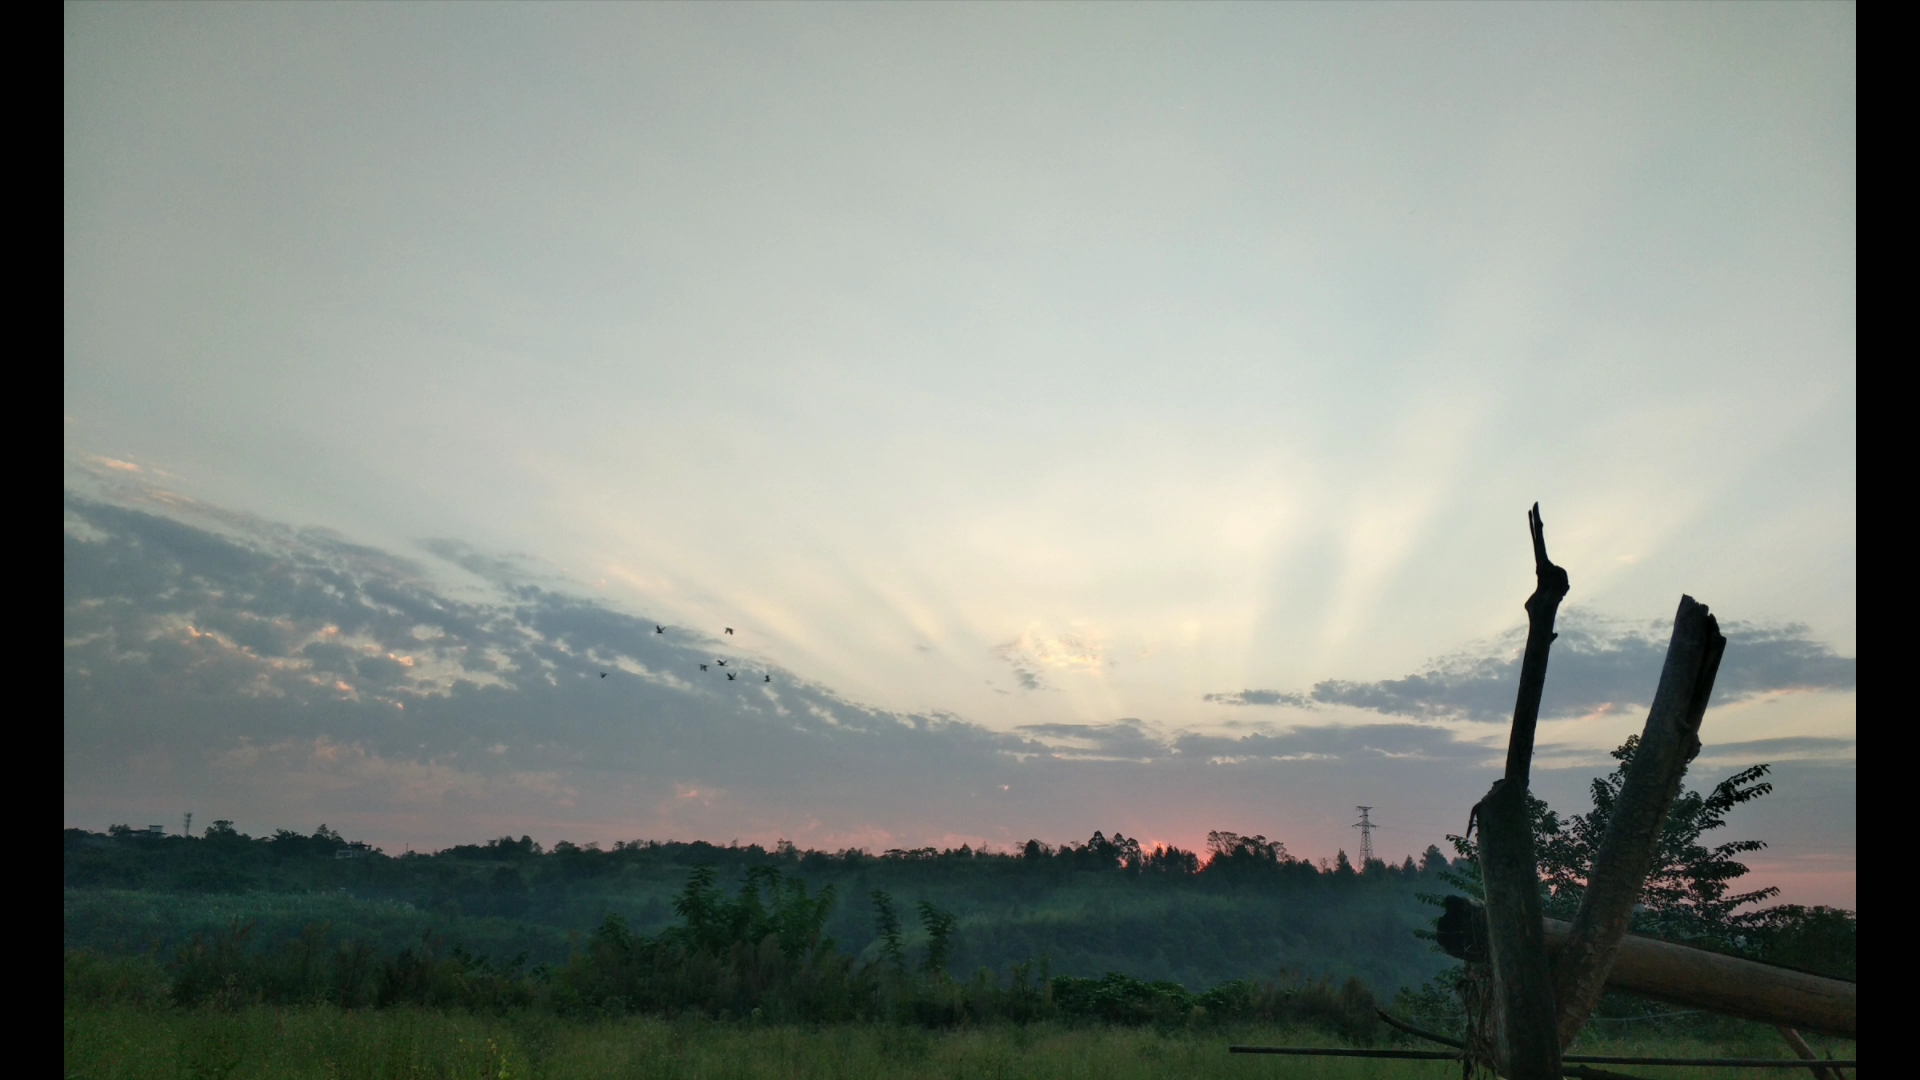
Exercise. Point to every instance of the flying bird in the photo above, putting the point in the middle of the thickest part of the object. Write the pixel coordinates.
(722, 663)
(703, 667)
(603, 674)
(729, 676)
(769, 678)
(659, 629)
(729, 629)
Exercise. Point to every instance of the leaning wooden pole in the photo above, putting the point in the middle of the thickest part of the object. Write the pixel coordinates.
(1683, 975)
(1667, 744)
(1526, 1045)
(1800, 1047)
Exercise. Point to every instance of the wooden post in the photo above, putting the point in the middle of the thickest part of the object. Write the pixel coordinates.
(1669, 741)
(1805, 1053)
(1525, 1040)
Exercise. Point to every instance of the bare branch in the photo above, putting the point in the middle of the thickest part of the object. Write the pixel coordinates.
(1550, 587)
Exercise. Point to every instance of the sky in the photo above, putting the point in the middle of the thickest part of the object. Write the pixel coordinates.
(1088, 417)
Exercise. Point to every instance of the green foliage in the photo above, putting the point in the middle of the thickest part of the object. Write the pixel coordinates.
(228, 970)
(886, 923)
(1433, 1005)
(785, 914)
(939, 924)
(1821, 940)
(1347, 1010)
(105, 979)
(1117, 999)
(1689, 894)
(761, 952)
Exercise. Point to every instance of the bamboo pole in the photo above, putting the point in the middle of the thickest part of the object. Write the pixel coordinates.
(1668, 743)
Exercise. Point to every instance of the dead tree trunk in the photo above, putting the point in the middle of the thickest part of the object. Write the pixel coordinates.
(1525, 1040)
(1669, 741)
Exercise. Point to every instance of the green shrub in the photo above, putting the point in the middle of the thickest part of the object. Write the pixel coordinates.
(96, 979)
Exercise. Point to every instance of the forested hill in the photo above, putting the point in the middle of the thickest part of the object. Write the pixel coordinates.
(1244, 909)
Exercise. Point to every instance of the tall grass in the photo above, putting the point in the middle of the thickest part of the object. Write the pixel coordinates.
(125, 1042)
(131, 1043)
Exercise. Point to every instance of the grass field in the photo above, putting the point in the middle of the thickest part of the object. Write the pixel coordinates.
(115, 1042)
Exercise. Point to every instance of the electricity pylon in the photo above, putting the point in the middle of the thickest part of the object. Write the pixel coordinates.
(1366, 837)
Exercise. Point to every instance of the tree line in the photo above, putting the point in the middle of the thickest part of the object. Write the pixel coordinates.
(1106, 928)
(759, 954)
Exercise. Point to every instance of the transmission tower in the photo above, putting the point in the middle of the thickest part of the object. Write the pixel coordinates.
(1366, 837)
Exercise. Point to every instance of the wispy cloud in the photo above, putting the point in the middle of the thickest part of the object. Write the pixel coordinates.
(1335, 742)
(1788, 748)
(1122, 740)
(1594, 666)
(1036, 653)
(1262, 697)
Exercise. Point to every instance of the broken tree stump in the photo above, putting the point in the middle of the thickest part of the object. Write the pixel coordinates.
(1525, 1041)
(1668, 743)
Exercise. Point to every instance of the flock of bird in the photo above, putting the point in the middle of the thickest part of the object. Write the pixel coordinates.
(731, 676)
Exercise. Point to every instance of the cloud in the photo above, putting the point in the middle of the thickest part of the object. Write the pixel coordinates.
(307, 768)
(206, 641)
(1122, 740)
(1035, 653)
(1594, 665)
(285, 677)
(1262, 697)
(1022, 668)
(1790, 748)
(1334, 742)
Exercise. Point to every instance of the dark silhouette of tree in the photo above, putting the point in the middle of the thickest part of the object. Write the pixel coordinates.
(886, 923)
(1688, 895)
(940, 925)
(1231, 853)
(1171, 861)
